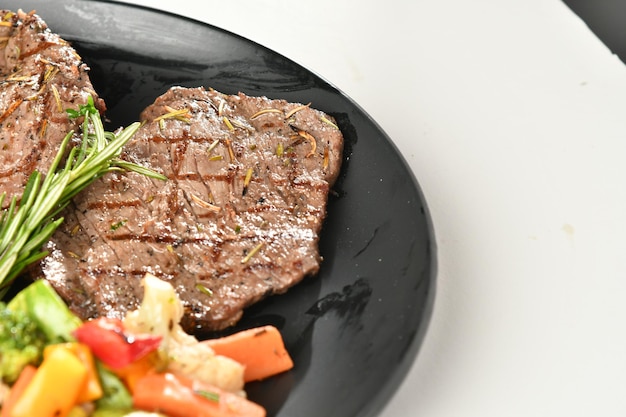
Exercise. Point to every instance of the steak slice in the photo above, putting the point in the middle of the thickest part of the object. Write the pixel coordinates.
(41, 75)
(238, 219)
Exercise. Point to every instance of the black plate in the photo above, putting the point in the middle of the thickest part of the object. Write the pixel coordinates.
(354, 329)
(606, 19)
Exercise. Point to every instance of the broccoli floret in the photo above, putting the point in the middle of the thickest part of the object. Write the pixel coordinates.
(21, 343)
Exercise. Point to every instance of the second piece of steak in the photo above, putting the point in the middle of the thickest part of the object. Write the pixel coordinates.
(41, 76)
(238, 219)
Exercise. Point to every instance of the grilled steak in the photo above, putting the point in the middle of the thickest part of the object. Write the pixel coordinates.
(41, 75)
(237, 220)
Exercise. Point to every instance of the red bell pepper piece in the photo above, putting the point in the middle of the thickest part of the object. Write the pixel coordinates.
(112, 345)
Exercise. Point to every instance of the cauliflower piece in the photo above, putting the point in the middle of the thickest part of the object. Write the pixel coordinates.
(159, 314)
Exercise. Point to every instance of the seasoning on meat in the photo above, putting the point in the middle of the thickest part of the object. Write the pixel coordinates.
(41, 75)
(239, 218)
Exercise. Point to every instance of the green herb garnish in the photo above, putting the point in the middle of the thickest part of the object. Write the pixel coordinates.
(204, 290)
(117, 225)
(209, 395)
(25, 226)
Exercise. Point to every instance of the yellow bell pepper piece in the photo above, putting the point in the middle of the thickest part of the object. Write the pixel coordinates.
(92, 389)
(54, 389)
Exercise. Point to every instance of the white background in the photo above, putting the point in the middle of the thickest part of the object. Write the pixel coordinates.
(511, 114)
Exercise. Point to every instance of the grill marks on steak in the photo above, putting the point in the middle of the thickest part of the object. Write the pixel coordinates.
(238, 219)
(40, 76)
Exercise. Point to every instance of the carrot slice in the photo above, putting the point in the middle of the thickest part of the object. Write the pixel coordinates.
(17, 389)
(178, 396)
(260, 349)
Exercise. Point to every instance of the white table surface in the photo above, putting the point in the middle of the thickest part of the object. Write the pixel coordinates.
(511, 114)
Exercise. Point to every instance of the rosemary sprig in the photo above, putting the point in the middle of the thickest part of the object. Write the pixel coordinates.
(26, 226)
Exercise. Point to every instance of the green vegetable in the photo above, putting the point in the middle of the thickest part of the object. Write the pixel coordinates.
(43, 306)
(37, 317)
(34, 318)
(26, 226)
(21, 343)
(116, 397)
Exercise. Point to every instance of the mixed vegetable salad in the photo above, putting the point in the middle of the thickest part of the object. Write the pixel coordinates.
(54, 365)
